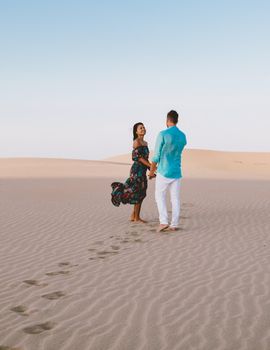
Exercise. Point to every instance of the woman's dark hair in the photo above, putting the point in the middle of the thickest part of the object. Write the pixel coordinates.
(135, 127)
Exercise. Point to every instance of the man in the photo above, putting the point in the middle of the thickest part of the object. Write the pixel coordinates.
(167, 160)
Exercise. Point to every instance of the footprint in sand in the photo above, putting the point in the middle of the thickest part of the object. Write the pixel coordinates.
(98, 242)
(125, 240)
(187, 205)
(20, 309)
(153, 230)
(4, 347)
(53, 295)
(92, 249)
(65, 263)
(56, 273)
(106, 253)
(115, 247)
(138, 240)
(136, 227)
(134, 234)
(39, 328)
(35, 283)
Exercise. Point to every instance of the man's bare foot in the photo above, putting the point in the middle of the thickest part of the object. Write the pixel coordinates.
(162, 227)
(140, 220)
(132, 218)
(171, 228)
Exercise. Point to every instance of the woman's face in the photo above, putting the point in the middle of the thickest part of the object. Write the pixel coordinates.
(141, 131)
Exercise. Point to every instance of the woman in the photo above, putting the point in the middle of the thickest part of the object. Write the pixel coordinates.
(133, 191)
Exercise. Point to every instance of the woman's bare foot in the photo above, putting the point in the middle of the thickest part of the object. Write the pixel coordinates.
(132, 218)
(140, 220)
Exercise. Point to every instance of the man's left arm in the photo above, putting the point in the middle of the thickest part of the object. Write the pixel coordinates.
(152, 170)
(156, 157)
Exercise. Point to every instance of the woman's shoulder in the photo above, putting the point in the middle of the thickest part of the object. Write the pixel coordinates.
(137, 144)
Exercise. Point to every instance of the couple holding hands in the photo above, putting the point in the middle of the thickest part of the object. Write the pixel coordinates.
(165, 167)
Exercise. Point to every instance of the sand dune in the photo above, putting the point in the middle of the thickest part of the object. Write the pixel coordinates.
(196, 164)
(218, 164)
(76, 274)
(60, 168)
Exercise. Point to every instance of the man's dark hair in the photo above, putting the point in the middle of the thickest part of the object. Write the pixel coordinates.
(172, 116)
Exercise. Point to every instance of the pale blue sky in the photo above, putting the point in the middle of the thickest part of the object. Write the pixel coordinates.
(76, 75)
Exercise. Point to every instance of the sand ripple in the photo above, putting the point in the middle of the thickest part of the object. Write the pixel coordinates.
(75, 274)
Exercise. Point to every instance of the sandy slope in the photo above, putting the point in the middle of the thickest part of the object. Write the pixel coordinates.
(59, 168)
(75, 274)
(196, 164)
(217, 164)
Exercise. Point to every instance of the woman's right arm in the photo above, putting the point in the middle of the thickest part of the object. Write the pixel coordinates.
(145, 162)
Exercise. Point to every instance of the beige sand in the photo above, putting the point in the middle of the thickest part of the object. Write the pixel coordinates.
(60, 168)
(75, 274)
(215, 164)
(197, 164)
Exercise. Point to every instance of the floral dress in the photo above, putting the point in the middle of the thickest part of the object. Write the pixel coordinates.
(133, 191)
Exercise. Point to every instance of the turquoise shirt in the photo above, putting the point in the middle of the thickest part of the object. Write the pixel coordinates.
(168, 150)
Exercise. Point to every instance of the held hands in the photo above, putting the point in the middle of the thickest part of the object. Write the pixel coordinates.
(151, 175)
(152, 171)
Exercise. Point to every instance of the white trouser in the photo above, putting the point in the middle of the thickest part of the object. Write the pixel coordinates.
(162, 185)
